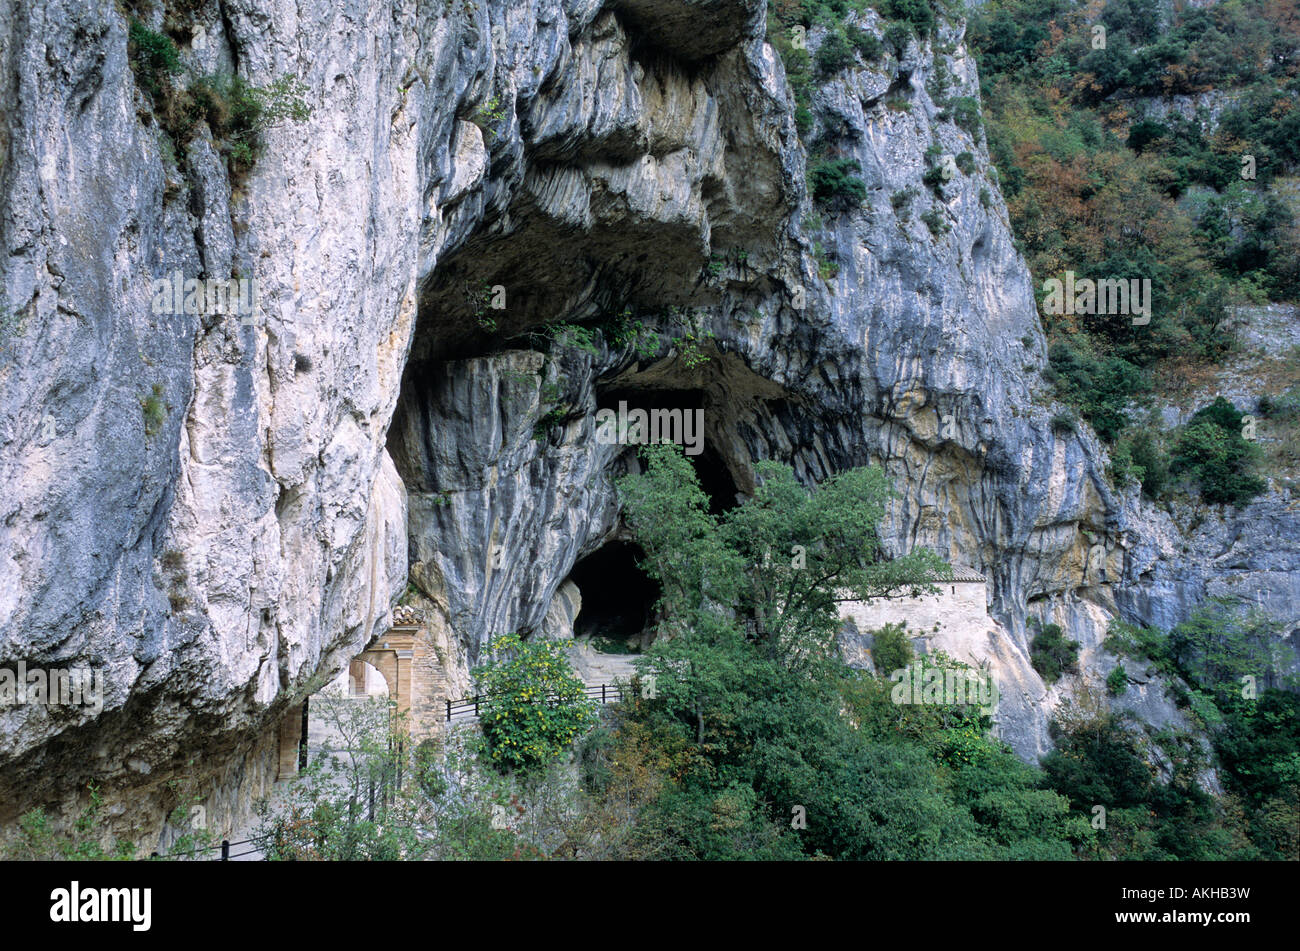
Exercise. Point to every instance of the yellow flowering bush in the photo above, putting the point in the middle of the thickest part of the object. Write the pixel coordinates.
(533, 704)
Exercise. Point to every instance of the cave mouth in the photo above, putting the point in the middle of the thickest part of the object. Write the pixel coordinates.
(618, 599)
(710, 468)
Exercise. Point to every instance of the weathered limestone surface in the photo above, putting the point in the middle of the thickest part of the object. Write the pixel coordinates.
(378, 418)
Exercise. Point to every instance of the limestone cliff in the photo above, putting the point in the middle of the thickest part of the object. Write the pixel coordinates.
(223, 548)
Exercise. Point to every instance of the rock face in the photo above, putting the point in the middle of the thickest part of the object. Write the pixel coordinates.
(223, 544)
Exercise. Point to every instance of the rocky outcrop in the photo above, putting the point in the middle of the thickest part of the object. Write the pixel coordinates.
(382, 416)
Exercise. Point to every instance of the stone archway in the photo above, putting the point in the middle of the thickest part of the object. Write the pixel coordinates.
(409, 665)
(404, 657)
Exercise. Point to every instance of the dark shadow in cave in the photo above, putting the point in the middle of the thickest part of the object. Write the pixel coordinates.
(715, 478)
(716, 481)
(618, 598)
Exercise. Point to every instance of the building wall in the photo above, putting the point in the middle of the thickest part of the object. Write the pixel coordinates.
(428, 686)
(958, 613)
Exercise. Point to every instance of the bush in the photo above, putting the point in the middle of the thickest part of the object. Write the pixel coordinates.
(866, 43)
(235, 111)
(1066, 423)
(154, 408)
(1101, 388)
(534, 705)
(1051, 653)
(1212, 450)
(803, 119)
(901, 201)
(934, 220)
(1150, 462)
(153, 57)
(833, 184)
(1285, 406)
(834, 54)
(891, 649)
(1117, 681)
(1137, 457)
(35, 839)
(827, 268)
(917, 15)
(898, 35)
(966, 114)
(966, 162)
(1142, 134)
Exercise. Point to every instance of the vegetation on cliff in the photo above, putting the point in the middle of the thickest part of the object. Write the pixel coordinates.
(1097, 185)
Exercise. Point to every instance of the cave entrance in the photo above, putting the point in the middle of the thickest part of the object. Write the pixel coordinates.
(716, 481)
(618, 599)
(710, 468)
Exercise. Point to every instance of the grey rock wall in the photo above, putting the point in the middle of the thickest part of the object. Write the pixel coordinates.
(379, 419)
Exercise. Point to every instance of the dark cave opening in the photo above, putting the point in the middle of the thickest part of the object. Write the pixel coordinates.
(710, 468)
(716, 481)
(618, 598)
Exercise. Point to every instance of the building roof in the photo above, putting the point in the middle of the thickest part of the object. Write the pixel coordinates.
(407, 616)
(964, 573)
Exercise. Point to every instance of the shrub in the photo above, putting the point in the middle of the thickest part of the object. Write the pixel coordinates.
(235, 110)
(534, 705)
(1065, 423)
(827, 268)
(803, 119)
(898, 35)
(1100, 388)
(1142, 134)
(1140, 643)
(35, 838)
(154, 409)
(1051, 653)
(934, 220)
(1285, 406)
(866, 43)
(1117, 681)
(966, 162)
(898, 102)
(153, 57)
(1122, 470)
(916, 15)
(834, 54)
(966, 114)
(833, 184)
(1149, 459)
(1212, 450)
(891, 649)
(900, 201)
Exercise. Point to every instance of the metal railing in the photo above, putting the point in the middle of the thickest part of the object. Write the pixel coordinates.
(224, 848)
(468, 708)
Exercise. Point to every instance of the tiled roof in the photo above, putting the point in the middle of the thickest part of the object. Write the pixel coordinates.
(963, 573)
(406, 615)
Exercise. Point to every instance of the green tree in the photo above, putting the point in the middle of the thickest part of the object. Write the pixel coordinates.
(534, 706)
(1212, 449)
(1051, 652)
(781, 562)
(891, 649)
(747, 674)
